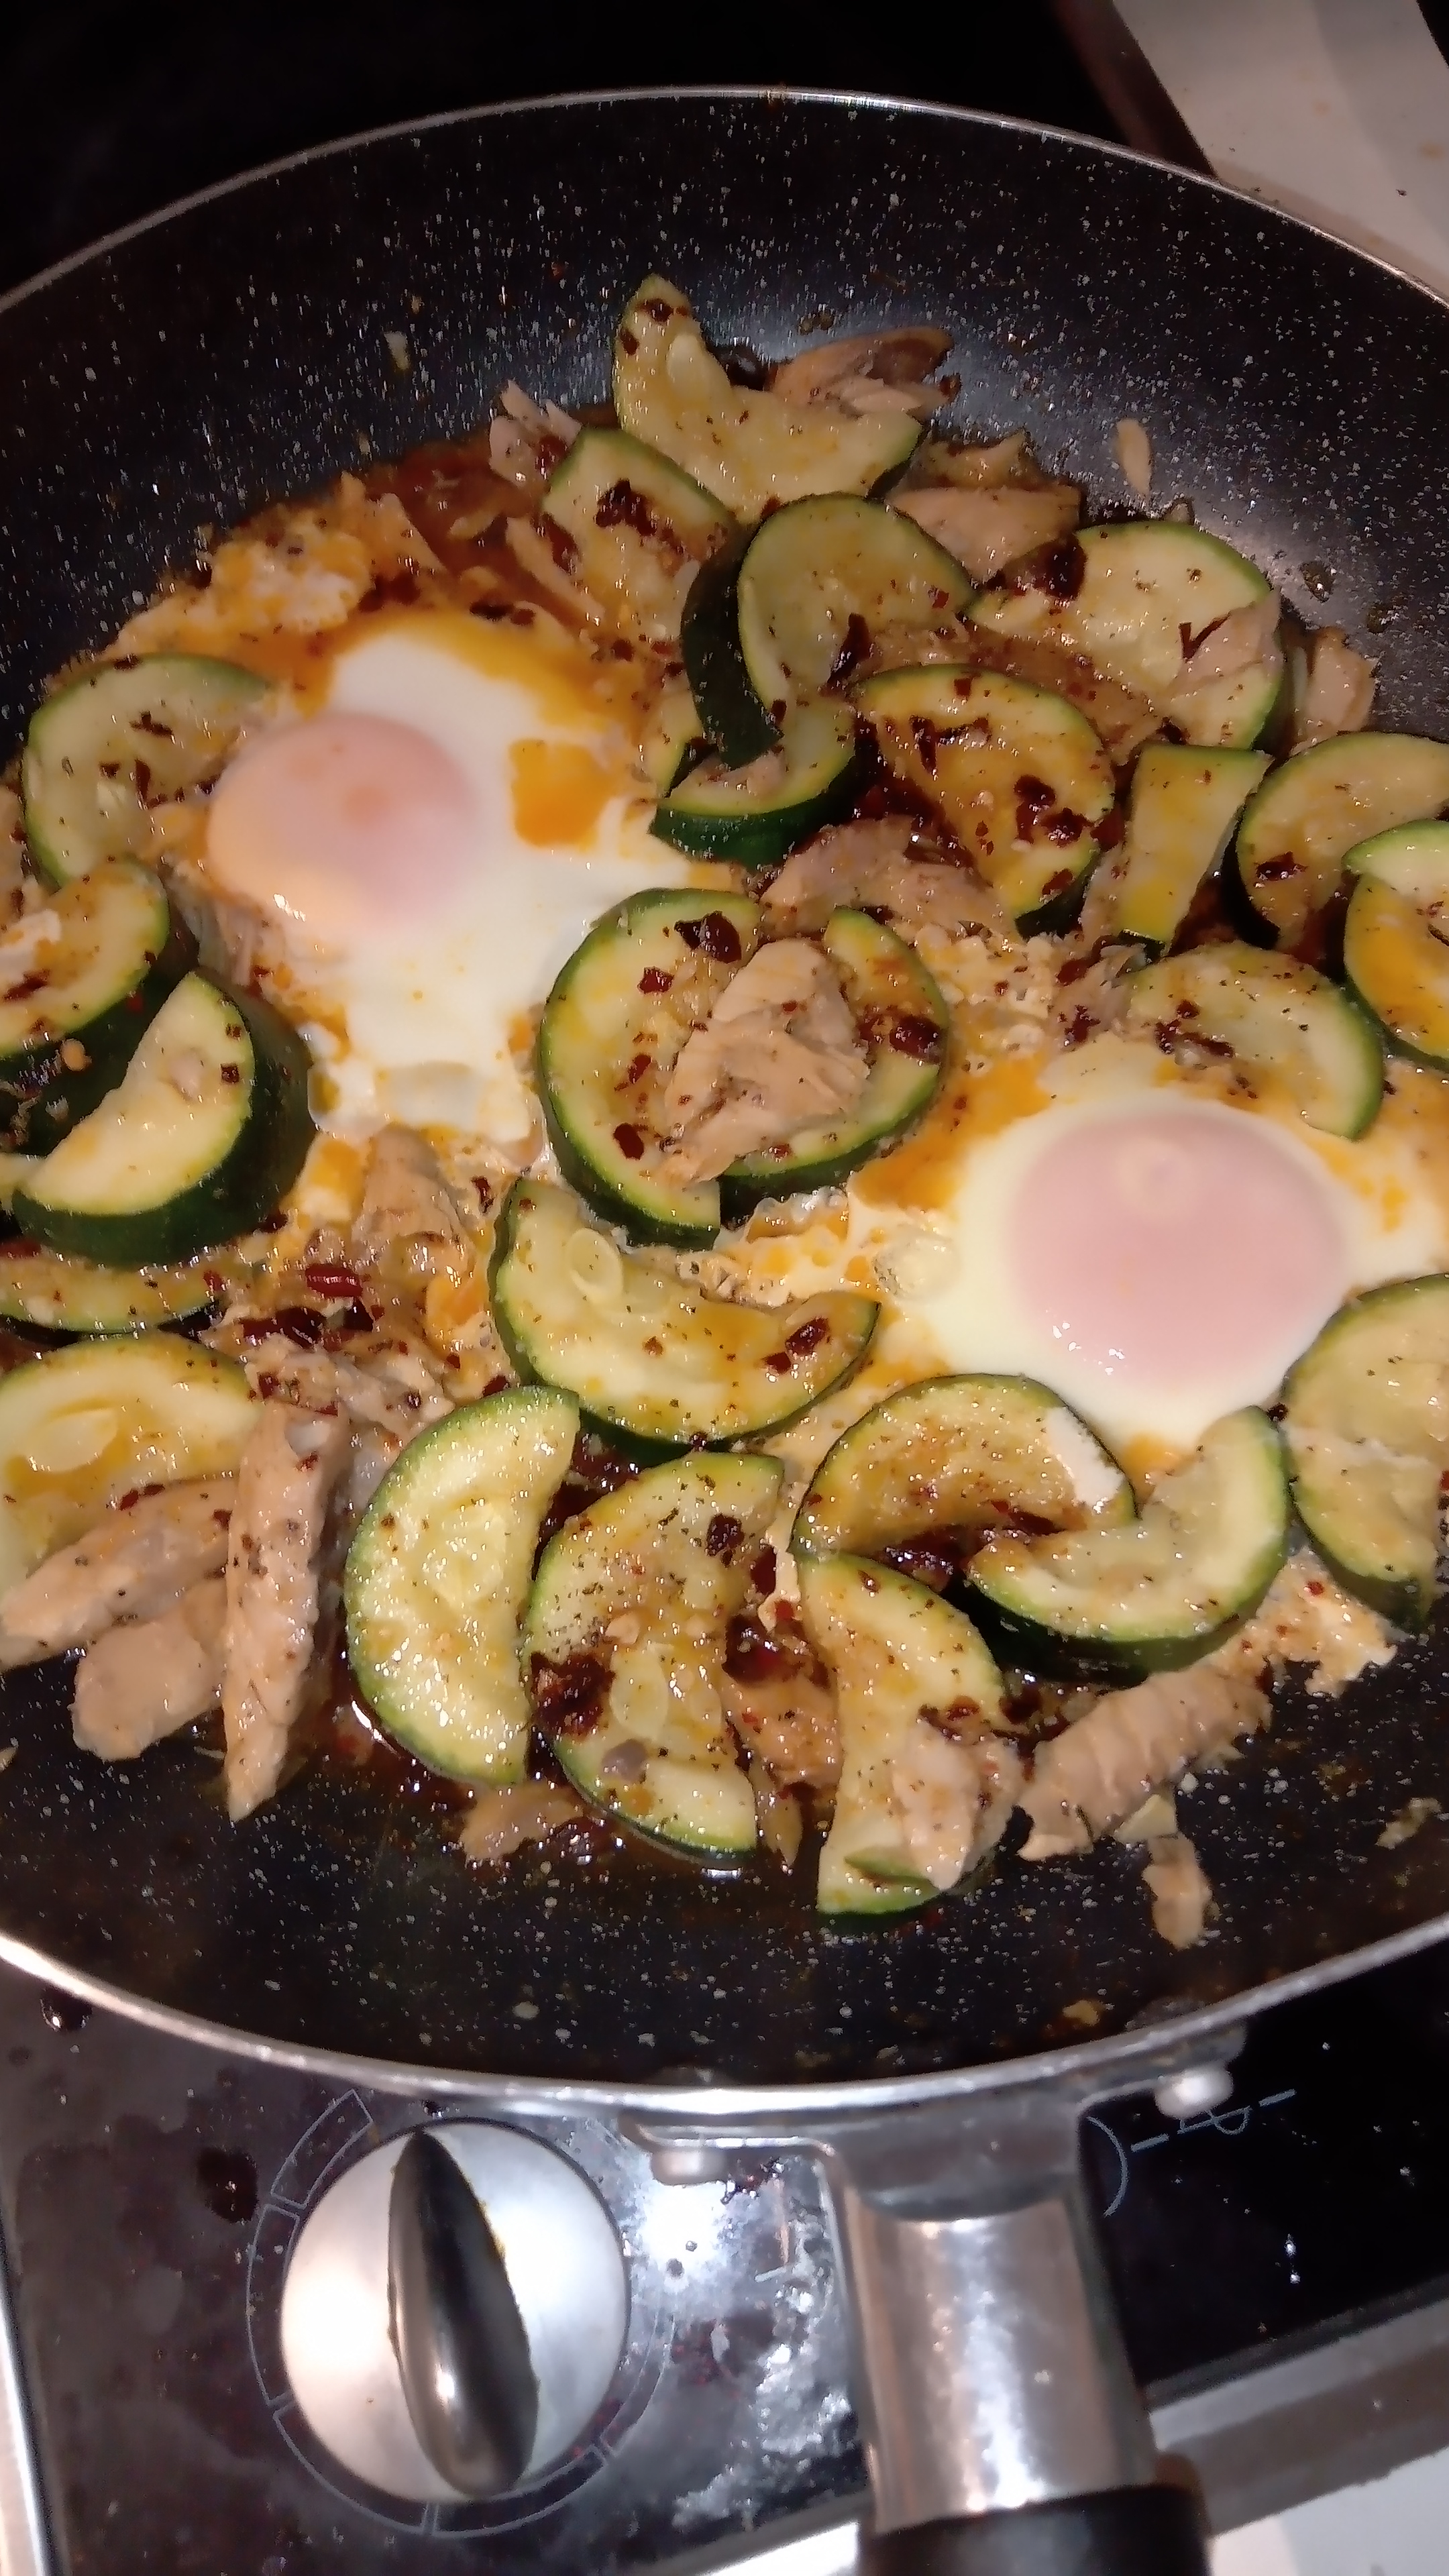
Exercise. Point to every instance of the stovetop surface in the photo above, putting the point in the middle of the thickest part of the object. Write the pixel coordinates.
(150, 2192)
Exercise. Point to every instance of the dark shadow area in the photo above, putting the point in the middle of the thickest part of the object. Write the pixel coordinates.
(115, 111)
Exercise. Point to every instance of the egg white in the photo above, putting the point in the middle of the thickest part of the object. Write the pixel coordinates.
(411, 1019)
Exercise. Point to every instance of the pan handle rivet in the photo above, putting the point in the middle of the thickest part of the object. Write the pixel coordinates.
(1195, 2090)
(688, 2162)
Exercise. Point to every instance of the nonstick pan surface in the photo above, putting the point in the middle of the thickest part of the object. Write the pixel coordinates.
(175, 378)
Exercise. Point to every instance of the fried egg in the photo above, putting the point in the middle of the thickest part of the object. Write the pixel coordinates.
(426, 848)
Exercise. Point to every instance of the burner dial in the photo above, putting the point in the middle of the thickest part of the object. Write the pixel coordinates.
(454, 2311)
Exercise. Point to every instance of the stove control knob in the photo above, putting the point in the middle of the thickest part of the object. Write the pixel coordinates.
(454, 2310)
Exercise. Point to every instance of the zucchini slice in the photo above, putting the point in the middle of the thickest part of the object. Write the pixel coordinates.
(624, 1647)
(957, 1457)
(1396, 937)
(1156, 1592)
(1134, 597)
(1019, 775)
(656, 1364)
(100, 753)
(1367, 1434)
(628, 996)
(86, 1425)
(638, 528)
(81, 984)
(1180, 820)
(903, 1018)
(673, 741)
(1272, 1016)
(437, 1580)
(924, 1790)
(817, 581)
(200, 1139)
(759, 813)
(1299, 827)
(58, 1294)
(746, 447)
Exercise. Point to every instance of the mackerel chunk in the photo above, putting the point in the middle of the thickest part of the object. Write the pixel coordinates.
(135, 1564)
(149, 1677)
(1099, 1771)
(288, 1470)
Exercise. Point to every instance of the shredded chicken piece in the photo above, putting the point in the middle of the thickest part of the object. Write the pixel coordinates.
(777, 1812)
(1084, 1781)
(147, 1678)
(501, 1821)
(1410, 1820)
(1098, 997)
(978, 468)
(1134, 455)
(406, 1201)
(134, 1564)
(778, 1051)
(1305, 1617)
(952, 1798)
(307, 581)
(1180, 1890)
(991, 526)
(1336, 694)
(288, 1470)
(790, 1724)
(1233, 644)
(874, 371)
(526, 442)
(870, 864)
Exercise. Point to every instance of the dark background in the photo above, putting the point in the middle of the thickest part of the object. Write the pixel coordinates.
(116, 107)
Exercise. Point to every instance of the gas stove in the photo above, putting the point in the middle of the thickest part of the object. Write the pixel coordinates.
(177, 2389)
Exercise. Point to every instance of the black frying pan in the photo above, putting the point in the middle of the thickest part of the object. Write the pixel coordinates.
(234, 350)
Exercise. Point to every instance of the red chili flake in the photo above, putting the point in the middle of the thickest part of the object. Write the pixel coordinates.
(268, 1382)
(655, 980)
(332, 1279)
(723, 1536)
(955, 1721)
(550, 451)
(628, 343)
(629, 1142)
(231, 1073)
(560, 544)
(301, 1324)
(354, 1318)
(931, 1560)
(808, 1337)
(1111, 828)
(1034, 792)
(1064, 570)
(637, 1070)
(496, 1385)
(484, 1189)
(1314, 1588)
(143, 779)
(1064, 827)
(1057, 883)
(658, 310)
(1080, 1026)
(927, 738)
(494, 610)
(1273, 871)
(855, 644)
(622, 507)
(916, 1037)
(752, 1654)
(569, 1696)
(762, 1570)
(714, 935)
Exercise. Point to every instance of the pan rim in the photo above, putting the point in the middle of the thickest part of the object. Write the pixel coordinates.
(758, 92)
(1095, 2068)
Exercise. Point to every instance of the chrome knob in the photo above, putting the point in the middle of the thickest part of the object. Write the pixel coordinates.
(454, 2311)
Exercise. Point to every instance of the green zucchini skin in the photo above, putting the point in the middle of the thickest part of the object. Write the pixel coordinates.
(42, 1097)
(657, 1365)
(253, 1173)
(1276, 1017)
(731, 714)
(1149, 1596)
(897, 1650)
(1394, 955)
(756, 817)
(1299, 826)
(176, 713)
(1367, 1455)
(438, 1576)
(959, 1454)
(603, 1013)
(51, 1292)
(677, 1541)
(175, 1411)
(958, 736)
(901, 1011)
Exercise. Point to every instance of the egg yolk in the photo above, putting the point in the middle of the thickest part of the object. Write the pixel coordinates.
(1151, 1243)
(342, 821)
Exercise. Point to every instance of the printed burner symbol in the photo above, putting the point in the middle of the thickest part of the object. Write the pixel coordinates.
(334, 2298)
